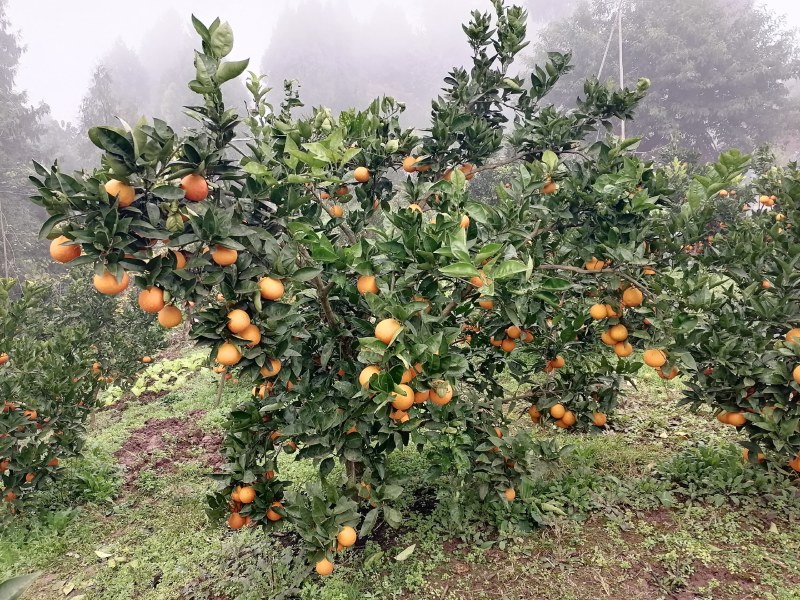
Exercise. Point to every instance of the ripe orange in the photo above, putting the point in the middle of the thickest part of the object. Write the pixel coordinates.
(341, 191)
(120, 190)
(271, 288)
(464, 222)
(480, 280)
(557, 411)
(324, 195)
(632, 297)
(611, 313)
(793, 335)
(228, 354)
(347, 536)
(64, 254)
(598, 312)
(468, 170)
(252, 334)
(618, 333)
(361, 174)
(224, 256)
(415, 207)
(796, 374)
(446, 395)
(513, 332)
(569, 419)
(195, 187)
(324, 567)
(235, 521)
(336, 211)
(534, 414)
(654, 358)
(510, 494)
(10, 497)
(410, 373)
(594, 264)
(246, 495)
(795, 463)
(151, 300)
(366, 374)
(495, 343)
(408, 164)
(623, 349)
(648, 271)
(766, 284)
(550, 188)
(668, 376)
(558, 362)
(606, 338)
(386, 330)
(486, 304)
(273, 369)
(403, 398)
(599, 419)
(180, 259)
(4, 358)
(366, 285)
(108, 284)
(170, 316)
(422, 396)
(737, 419)
(760, 457)
(272, 515)
(53, 462)
(29, 477)
(146, 359)
(238, 320)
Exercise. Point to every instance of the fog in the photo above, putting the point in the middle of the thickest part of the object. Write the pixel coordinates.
(64, 43)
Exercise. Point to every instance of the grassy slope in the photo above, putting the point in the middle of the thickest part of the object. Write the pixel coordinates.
(662, 507)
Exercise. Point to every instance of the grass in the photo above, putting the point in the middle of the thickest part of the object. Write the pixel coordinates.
(660, 507)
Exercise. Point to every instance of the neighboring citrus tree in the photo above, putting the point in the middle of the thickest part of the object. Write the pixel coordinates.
(371, 314)
(48, 388)
(740, 322)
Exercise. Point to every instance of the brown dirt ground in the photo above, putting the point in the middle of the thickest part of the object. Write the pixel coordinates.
(560, 569)
(161, 444)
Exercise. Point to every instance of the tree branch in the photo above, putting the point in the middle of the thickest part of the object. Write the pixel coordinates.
(348, 233)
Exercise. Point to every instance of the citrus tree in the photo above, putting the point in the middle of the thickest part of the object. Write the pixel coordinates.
(48, 388)
(741, 317)
(341, 263)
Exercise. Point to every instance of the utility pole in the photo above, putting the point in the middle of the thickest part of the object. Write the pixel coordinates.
(621, 67)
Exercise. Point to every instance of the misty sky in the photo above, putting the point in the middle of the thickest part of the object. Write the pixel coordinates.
(64, 43)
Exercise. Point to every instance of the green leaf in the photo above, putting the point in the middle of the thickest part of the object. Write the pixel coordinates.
(508, 268)
(13, 588)
(306, 273)
(369, 522)
(550, 159)
(231, 70)
(460, 269)
(405, 554)
(168, 192)
(222, 40)
(556, 284)
(112, 141)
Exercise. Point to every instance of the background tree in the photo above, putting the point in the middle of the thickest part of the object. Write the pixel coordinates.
(720, 70)
(20, 128)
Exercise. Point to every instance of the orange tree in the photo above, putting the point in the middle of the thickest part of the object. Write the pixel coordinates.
(374, 311)
(48, 389)
(741, 318)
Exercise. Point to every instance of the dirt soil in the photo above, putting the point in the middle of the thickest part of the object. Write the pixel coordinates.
(164, 443)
